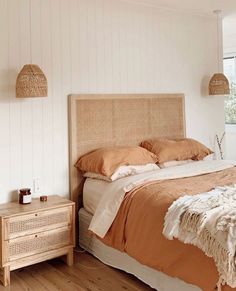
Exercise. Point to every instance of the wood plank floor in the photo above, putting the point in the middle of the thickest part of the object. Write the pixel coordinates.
(87, 274)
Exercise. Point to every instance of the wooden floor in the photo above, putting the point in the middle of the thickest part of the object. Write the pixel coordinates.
(87, 274)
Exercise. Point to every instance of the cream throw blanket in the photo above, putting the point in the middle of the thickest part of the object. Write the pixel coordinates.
(208, 221)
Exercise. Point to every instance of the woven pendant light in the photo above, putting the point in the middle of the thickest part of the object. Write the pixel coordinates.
(219, 84)
(31, 81)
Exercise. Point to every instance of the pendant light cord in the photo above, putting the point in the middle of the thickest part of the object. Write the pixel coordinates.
(218, 12)
(30, 30)
(218, 41)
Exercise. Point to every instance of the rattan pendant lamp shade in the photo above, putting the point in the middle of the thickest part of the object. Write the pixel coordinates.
(31, 81)
(219, 84)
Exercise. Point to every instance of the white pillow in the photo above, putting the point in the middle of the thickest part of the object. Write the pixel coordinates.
(178, 163)
(123, 171)
(210, 157)
(174, 163)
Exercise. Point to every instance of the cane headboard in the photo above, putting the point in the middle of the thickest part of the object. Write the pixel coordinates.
(125, 119)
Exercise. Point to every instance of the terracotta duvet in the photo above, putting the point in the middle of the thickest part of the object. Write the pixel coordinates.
(137, 228)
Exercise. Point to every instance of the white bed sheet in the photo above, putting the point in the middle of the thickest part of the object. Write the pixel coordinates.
(93, 191)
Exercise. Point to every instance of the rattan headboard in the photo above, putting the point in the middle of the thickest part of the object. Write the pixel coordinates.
(107, 120)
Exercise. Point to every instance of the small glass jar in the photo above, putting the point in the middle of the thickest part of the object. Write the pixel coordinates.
(25, 196)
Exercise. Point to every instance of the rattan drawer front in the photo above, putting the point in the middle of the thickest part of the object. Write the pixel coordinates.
(37, 222)
(38, 243)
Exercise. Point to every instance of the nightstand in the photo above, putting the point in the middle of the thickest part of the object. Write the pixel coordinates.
(36, 232)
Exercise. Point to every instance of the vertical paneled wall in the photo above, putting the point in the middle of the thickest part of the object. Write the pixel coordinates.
(94, 46)
(229, 35)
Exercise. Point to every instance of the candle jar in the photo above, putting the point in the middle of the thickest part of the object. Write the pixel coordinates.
(25, 196)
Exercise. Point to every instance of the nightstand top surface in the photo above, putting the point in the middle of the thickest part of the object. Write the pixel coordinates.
(14, 208)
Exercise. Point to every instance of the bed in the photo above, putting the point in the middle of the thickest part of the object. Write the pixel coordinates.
(107, 120)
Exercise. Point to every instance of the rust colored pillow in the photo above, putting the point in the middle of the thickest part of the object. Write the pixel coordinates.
(178, 150)
(105, 161)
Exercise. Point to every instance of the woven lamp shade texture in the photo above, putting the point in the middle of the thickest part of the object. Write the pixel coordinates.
(219, 85)
(31, 82)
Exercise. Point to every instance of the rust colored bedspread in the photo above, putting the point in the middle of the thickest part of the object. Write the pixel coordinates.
(137, 229)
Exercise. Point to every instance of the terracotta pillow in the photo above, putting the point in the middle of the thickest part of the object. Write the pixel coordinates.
(178, 150)
(105, 161)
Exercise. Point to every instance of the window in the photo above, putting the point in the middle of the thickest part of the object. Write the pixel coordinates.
(230, 102)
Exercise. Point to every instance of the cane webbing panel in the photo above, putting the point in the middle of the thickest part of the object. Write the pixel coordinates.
(107, 120)
(38, 243)
(31, 223)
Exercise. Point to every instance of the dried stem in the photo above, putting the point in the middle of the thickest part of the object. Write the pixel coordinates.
(219, 143)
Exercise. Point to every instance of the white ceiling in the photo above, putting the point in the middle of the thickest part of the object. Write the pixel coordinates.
(204, 7)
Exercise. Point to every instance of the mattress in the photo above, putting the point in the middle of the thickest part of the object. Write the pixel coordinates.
(122, 261)
(92, 193)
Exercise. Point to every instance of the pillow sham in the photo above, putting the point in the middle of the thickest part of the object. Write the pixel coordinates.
(123, 171)
(174, 163)
(178, 150)
(105, 161)
(210, 157)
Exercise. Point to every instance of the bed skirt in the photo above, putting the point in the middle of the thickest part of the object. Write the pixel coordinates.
(122, 261)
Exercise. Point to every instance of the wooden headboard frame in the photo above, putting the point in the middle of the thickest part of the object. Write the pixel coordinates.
(121, 119)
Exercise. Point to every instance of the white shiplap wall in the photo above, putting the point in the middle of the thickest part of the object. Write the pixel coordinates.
(94, 46)
(229, 33)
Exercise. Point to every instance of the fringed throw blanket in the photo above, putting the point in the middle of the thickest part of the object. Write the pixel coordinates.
(208, 221)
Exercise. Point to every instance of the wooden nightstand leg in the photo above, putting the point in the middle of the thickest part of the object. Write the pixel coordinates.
(70, 257)
(6, 276)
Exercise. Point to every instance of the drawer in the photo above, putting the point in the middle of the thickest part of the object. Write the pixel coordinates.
(39, 243)
(37, 222)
